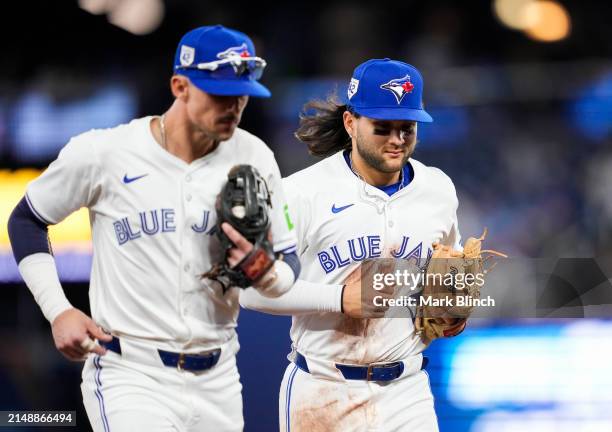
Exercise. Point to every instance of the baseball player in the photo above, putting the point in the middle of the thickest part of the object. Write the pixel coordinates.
(367, 199)
(164, 359)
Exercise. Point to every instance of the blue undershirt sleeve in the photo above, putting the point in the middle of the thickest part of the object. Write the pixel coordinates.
(28, 234)
(294, 262)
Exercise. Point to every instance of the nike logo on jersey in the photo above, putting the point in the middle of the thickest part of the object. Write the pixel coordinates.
(127, 179)
(339, 209)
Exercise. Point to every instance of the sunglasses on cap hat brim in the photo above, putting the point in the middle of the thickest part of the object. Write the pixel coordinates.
(231, 67)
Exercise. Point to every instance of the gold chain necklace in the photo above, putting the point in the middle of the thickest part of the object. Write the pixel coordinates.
(162, 128)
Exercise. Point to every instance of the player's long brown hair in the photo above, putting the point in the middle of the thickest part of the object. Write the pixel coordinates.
(322, 128)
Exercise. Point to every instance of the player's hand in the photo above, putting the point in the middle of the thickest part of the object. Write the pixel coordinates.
(456, 325)
(243, 246)
(449, 321)
(358, 295)
(74, 332)
(242, 249)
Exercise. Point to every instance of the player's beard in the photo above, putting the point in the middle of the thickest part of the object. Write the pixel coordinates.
(374, 157)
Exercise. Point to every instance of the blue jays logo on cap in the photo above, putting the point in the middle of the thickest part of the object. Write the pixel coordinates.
(220, 61)
(241, 51)
(400, 87)
(386, 89)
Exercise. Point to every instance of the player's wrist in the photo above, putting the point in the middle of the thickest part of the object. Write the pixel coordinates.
(40, 275)
(59, 312)
(277, 281)
(351, 301)
(267, 279)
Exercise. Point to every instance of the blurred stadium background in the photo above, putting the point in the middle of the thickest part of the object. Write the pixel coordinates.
(521, 94)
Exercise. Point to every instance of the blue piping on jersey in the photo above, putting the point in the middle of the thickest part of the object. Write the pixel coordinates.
(99, 393)
(288, 398)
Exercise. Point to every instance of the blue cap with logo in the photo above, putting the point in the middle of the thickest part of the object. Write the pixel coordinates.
(385, 89)
(220, 61)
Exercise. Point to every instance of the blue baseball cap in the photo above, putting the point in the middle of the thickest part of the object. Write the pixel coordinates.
(385, 89)
(220, 61)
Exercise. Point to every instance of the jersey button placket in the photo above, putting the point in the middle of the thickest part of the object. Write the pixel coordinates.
(187, 179)
(189, 209)
(385, 212)
(390, 230)
(187, 276)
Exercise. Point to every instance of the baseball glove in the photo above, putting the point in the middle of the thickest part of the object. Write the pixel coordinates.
(452, 281)
(244, 202)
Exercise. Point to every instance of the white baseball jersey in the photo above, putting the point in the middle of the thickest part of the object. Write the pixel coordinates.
(152, 218)
(341, 220)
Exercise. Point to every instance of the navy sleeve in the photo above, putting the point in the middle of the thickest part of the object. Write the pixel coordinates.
(28, 234)
(294, 262)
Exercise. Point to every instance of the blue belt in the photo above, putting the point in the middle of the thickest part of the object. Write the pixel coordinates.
(188, 362)
(373, 372)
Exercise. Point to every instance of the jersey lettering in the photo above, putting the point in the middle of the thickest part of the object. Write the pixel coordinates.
(202, 228)
(365, 247)
(153, 222)
(369, 247)
(362, 249)
(150, 230)
(124, 231)
(167, 216)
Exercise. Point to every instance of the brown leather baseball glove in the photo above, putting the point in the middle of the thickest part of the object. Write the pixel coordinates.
(452, 281)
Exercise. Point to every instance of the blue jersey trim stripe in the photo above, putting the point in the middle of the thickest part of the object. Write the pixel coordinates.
(288, 249)
(42, 219)
(288, 397)
(99, 393)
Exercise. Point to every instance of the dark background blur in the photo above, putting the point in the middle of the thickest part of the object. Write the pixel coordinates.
(523, 127)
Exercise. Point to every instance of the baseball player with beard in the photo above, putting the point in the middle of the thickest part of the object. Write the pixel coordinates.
(165, 356)
(367, 199)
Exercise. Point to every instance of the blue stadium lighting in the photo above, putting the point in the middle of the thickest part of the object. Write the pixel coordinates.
(40, 127)
(592, 111)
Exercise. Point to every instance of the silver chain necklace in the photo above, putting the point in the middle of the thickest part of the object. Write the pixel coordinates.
(401, 179)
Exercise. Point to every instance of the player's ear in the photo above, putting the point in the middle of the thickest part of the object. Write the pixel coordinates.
(349, 122)
(179, 85)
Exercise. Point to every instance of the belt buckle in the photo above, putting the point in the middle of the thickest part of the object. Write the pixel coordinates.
(370, 372)
(371, 367)
(181, 362)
